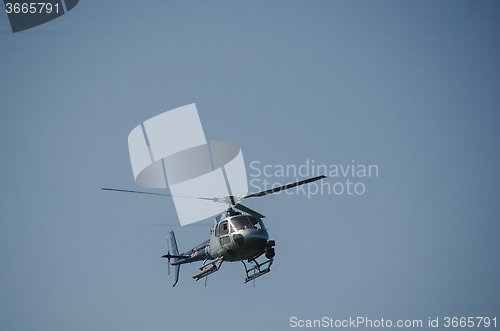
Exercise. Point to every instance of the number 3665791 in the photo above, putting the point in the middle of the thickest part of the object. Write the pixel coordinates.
(31, 8)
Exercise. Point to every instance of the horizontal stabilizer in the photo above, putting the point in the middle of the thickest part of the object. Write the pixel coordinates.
(170, 256)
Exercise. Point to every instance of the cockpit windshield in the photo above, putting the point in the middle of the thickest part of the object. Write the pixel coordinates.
(246, 222)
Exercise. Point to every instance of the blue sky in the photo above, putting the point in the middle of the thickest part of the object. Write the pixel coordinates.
(412, 87)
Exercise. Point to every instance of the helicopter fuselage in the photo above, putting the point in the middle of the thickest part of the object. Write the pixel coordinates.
(234, 237)
(238, 237)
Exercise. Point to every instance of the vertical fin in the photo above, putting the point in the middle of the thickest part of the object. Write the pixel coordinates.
(168, 244)
(175, 251)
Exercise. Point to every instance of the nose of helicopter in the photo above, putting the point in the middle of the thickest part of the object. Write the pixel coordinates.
(251, 238)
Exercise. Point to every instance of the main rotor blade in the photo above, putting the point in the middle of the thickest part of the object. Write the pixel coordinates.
(248, 210)
(166, 195)
(285, 187)
(192, 225)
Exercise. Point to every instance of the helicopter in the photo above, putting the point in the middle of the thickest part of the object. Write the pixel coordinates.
(235, 236)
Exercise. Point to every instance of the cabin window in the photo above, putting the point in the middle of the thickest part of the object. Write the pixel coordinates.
(224, 228)
(257, 223)
(246, 222)
(225, 240)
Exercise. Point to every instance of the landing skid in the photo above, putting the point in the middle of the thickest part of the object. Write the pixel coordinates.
(207, 268)
(257, 270)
